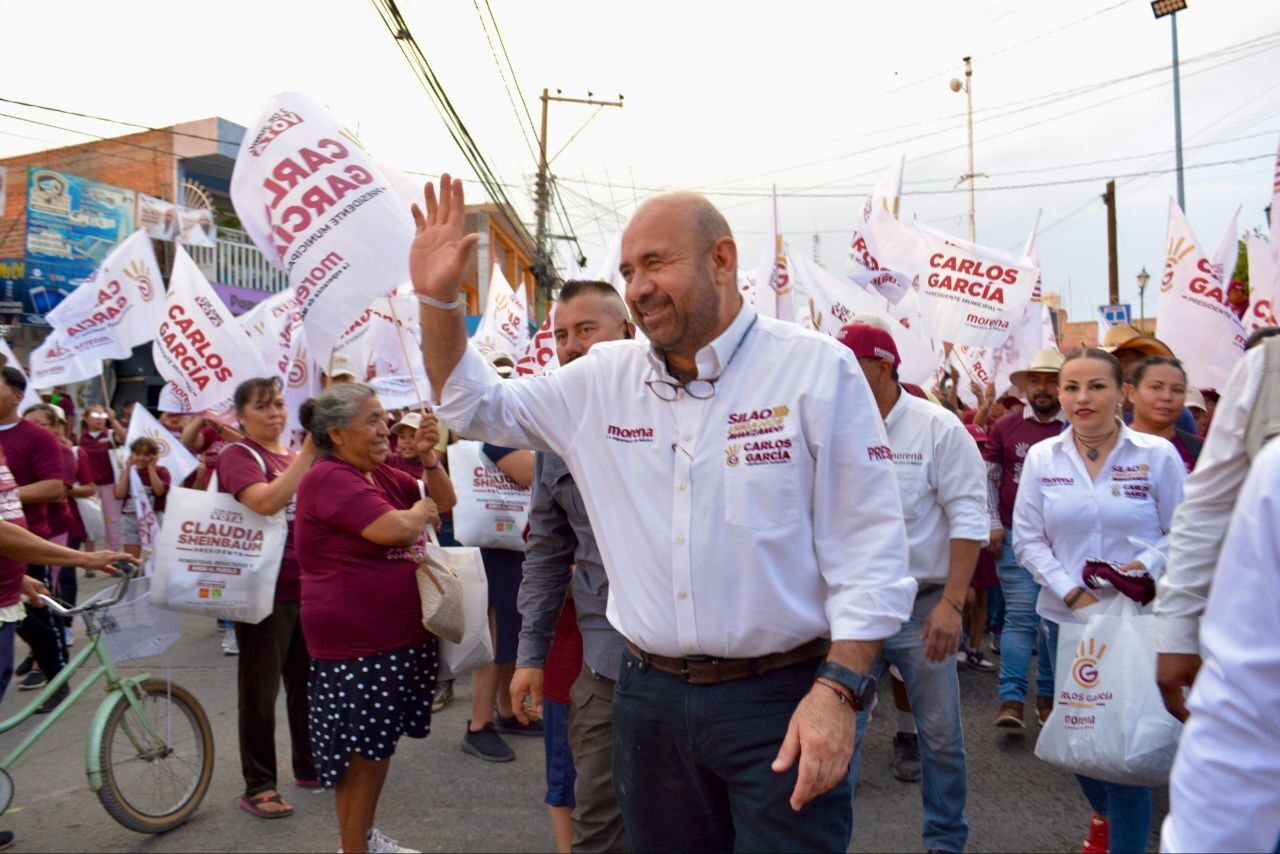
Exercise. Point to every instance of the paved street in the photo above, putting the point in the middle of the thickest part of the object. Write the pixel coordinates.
(438, 799)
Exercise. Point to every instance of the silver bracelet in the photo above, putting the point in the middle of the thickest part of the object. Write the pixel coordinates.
(443, 306)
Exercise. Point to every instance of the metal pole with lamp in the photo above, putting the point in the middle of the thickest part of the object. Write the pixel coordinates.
(1171, 8)
(967, 87)
(1143, 278)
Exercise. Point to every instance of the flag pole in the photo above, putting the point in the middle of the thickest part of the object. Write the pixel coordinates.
(391, 303)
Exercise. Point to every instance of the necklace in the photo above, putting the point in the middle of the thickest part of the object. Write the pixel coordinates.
(1092, 449)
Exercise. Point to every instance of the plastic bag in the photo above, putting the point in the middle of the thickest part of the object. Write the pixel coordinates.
(476, 647)
(492, 509)
(1108, 719)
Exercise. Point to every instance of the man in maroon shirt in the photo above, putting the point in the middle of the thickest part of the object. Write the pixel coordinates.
(35, 460)
(1007, 444)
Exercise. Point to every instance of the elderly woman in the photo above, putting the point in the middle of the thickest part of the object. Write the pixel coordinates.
(373, 664)
(264, 475)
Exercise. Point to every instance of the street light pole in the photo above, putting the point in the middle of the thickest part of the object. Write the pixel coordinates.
(1171, 8)
(1143, 278)
(967, 86)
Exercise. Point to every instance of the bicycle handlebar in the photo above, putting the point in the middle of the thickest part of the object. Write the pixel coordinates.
(125, 569)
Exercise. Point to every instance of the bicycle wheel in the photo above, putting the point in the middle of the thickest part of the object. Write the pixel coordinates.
(152, 786)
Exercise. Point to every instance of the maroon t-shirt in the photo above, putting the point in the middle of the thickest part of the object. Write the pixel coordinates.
(71, 476)
(564, 659)
(237, 471)
(128, 508)
(358, 598)
(60, 521)
(11, 571)
(95, 449)
(413, 468)
(1007, 444)
(34, 455)
(1181, 447)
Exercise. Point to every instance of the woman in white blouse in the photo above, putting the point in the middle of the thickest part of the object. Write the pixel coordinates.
(1090, 522)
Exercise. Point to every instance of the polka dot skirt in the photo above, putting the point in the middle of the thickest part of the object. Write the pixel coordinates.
(364, 705)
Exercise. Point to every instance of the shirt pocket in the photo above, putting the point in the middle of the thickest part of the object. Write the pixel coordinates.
(761, 485)
(913, 488)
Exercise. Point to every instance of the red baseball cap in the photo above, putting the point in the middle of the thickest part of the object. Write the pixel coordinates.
(869, 342)
(979, 435)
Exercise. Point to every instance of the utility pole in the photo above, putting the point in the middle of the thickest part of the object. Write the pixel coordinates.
(542, 267)
(967, 87)
(1171, 8)
(1113, 262)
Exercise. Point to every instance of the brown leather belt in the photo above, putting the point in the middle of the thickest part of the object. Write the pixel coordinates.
(704, 670)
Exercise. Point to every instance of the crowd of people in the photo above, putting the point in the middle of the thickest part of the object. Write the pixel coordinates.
(737, 530)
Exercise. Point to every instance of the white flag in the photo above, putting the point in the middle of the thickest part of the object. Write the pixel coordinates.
(1264, 280)
(976, 365)
(504, 326)
(146, 514)
(1196, 320)
(773, 284)
(828, 303)
(118, 308)
(1026, 338)
(320, 209)
(878, 216)
(55, 363)
(969, 294)
(540, 357)
(173, 455)
(200, 348)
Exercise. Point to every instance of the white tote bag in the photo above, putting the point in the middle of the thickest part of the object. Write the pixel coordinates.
(216, 557)
(476, 647)
(492, 509)
(95, 529)
(1108, 719)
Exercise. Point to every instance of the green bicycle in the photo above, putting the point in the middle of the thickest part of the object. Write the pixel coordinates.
(149, 753)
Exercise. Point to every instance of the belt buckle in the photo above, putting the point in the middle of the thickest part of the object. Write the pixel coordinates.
(700, 659)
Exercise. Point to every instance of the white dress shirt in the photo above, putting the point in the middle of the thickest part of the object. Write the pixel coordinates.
(1224, 793)
(1062, 519)
(1201, 522)
(942, 482)
(745, 524)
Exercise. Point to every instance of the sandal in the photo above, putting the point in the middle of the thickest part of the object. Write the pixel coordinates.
(306, 784)
(254, 805)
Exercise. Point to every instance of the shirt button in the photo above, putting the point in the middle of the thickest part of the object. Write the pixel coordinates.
(688, 437)
(683, 486)
(688, 647)
(683, 594)
(680, 540)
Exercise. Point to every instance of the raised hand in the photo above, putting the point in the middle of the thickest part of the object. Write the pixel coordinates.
(440, 249)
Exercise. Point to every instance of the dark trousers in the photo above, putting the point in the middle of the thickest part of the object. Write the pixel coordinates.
(42, 631)
(691, 765)
(270, 650)
(7, 633)
(597, 822)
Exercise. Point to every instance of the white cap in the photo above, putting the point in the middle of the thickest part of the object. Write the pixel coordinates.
(341, 365)
(412, 420)
(1195, 400)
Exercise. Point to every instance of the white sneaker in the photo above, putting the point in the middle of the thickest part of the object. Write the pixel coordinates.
(229, 645)
(380, 844)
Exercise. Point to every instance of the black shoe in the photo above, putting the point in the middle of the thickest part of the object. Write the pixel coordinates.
(52, 703)
(25, 667)
(906, 757)
(995, 644)
(89, 573)
(487, 745)
(33, 681)
(512, 726)
(6, 839)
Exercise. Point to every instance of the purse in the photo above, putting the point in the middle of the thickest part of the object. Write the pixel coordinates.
(440, 589)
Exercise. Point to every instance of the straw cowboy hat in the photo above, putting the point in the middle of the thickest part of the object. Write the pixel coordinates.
(1047, 361)
(1125, 337)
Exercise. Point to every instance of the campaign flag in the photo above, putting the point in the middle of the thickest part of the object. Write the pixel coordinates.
(55, 363)
(969, 294)
(196, 227)
(540, 357)
(1196, 320)
(200, 348)
(829, 303)
(976, 365)
(319, 208)
(878, 216)
(9, 360)
(118, 308)
(146, 513)
(1027, 336)
(773, 297)
(269, 325)
(173, 455)
(504, 326)
(1264, 280)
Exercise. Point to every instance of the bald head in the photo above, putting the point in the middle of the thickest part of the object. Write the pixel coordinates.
(689, 207)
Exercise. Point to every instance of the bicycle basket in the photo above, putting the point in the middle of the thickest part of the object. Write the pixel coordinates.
(135, 628)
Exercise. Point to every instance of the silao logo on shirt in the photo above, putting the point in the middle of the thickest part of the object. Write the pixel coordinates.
(758, 422)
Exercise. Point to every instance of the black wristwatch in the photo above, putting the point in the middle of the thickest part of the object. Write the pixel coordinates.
(861, 687)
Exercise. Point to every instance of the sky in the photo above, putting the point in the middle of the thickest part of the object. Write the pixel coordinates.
(816, 99)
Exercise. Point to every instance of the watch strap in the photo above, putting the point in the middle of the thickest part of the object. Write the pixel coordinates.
(860, 686)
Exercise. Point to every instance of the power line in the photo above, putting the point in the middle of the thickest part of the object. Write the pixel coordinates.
(170, 130)
(503, 76)
(503, 44)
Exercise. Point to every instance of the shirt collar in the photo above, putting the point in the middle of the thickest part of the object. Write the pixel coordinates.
(898, 409)
(1030, 415)
(712, 359)
(1066, 439)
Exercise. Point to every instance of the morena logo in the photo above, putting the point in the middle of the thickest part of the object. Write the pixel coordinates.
(629, 434)
(1085, 669)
